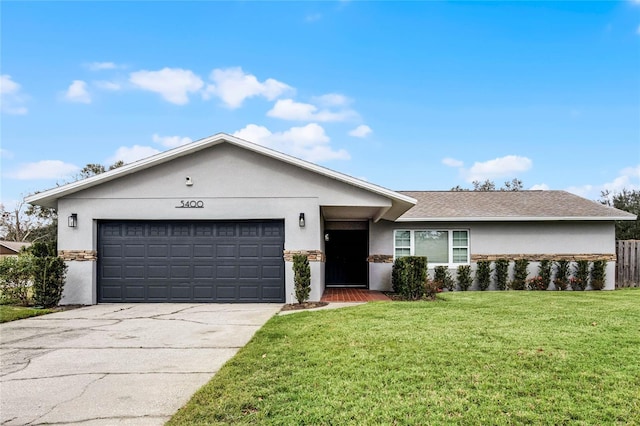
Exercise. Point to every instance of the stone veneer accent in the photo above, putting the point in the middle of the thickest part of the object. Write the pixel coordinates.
(380, 258)
(312, 255)
(611, 257)
(79, 255)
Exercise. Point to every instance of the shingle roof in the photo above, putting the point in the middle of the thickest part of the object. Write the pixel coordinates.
(506, 205)
(14, 245)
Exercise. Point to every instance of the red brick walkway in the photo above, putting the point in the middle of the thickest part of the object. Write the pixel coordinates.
(352, 295)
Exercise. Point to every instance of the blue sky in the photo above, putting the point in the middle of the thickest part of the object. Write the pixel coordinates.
(410, 96)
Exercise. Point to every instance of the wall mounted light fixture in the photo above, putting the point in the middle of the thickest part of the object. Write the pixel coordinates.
(301, 220)
(73, 220)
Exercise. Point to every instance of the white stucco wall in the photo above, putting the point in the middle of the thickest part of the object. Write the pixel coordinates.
(233, 184)
(504, 238)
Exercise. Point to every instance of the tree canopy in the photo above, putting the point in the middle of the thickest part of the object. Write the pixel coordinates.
(629, 201)
(514, 184)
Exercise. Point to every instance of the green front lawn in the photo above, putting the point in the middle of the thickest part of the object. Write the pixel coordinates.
(470, 358)
(11, 313)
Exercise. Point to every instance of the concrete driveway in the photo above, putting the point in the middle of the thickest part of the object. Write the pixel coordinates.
(117, 364)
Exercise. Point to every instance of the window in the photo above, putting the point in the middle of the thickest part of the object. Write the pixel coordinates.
(440, 246)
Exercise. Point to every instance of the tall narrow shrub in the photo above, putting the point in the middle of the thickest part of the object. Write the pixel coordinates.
(409, 276)
(301, 277)
(544, 272)
(501, 271)
(464, 277)
(483, 274)
(561, 281)
(442, 277)
(49, 272)
(598, 274)
(520, 274)
(15, 279)
(580, 278)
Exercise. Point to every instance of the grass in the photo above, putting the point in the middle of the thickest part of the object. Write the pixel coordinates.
(469, 358)
(12, 313)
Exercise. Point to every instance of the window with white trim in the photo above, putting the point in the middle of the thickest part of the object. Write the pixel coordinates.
(441, 246)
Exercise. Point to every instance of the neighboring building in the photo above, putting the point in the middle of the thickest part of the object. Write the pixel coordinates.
(219, 220)
(11, 248)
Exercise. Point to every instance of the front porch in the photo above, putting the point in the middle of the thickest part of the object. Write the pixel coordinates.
(352, 295)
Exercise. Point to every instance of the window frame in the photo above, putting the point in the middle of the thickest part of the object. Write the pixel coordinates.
(449, 231)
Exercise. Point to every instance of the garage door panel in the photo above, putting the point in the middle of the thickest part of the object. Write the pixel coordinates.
(161, 261)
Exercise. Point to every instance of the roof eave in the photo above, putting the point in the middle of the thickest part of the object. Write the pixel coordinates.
(518, 219)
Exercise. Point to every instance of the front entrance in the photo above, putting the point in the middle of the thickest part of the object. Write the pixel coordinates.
(346, 258)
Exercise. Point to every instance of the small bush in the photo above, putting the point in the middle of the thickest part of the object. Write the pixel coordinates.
(301, 277)
(15, 279)
(580, 278)
(501, 271)
(464, 277)
(520, 274)
(48, 280)
(431, 289)
(544, 272)
(442, 278)
(409, 275)
(537, 283)
(483, 274)
(598, 274)
(561, 280)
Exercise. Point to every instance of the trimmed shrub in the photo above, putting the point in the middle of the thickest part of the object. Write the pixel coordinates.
(544, 272)
(537, 283)
(483, 274)
(598, 274)
(520, 274)
(442, 278)
(580, 278)
(561, 280)
(409, 276)
(301, 277)
(431, 289)
(501, 271)
(15, 279)
(464, 277)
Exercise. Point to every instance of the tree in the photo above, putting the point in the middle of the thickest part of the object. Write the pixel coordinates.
(629, 201)
(514, 184)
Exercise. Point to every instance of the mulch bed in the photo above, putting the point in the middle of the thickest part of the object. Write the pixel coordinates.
(306, 305)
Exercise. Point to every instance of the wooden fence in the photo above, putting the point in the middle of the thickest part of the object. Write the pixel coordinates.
(628, 263)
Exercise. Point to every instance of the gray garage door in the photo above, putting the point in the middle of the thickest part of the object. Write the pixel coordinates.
(218, 261)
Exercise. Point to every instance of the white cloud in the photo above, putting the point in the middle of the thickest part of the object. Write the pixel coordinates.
(171, 141)
(77, 92)
(129, 154)
(97, 66)
(452, 162)
(540, 187)
(233, 86)
(332, 99)
(45, 169)
(11, 97)
(107, 85)
(173, 84)
(509, 165)
(308, 142)
(362, 131)
(5, 153)
(628, 178)
(288, 109)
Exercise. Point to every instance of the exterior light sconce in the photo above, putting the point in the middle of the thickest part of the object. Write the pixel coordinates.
(188, 181)
(73, 220)
(301, 220)
(326, 238)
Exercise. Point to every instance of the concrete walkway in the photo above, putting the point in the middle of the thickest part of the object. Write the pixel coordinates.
(124, 364)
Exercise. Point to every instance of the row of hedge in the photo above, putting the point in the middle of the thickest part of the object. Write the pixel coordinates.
(410, 279)
(34, 278)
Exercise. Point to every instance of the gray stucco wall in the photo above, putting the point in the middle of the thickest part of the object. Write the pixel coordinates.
(233, 183)
(490, 238)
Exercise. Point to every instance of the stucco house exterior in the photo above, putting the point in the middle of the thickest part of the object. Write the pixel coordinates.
(219, 220)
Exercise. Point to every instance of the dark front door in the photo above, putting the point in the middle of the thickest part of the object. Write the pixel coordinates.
(347, 252)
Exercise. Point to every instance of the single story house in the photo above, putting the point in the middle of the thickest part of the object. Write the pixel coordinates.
(11, 248)
(219, 220)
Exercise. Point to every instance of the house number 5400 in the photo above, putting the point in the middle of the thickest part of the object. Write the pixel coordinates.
(191, 204)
